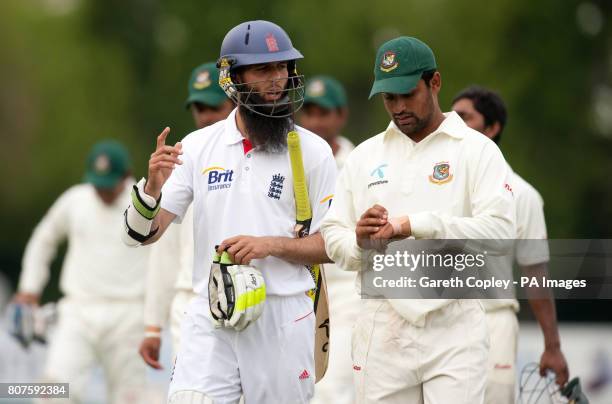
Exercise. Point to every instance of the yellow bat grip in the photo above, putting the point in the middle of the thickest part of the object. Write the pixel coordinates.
(302, 203)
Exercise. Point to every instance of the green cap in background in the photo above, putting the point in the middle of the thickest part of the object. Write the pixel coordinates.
(107, 164)
(325, 91)
(204, 86)
(399, 65)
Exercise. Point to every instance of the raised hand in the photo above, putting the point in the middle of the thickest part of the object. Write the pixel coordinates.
(162, 162)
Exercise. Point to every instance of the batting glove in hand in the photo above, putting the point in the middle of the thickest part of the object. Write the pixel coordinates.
(236, 293)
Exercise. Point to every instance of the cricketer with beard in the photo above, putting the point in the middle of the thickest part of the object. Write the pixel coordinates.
(238, 175)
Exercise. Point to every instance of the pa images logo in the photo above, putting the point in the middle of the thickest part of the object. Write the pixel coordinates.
(441, 173)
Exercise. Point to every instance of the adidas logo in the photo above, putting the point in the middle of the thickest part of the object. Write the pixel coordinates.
(305, 375)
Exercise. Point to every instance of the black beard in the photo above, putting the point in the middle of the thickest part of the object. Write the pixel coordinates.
(266, 133)
(420, 123)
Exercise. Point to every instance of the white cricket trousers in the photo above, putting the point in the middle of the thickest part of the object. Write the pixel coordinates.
(107, 332)
(180, 303)
(501, 378)
(271, 361)
(442, 362)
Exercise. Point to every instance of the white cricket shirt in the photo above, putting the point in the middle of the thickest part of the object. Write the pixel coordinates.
(452, 185)
(170, 269)
(530, 227)
(530, 223)
(237, 193)
(97, 264)
(345, 147)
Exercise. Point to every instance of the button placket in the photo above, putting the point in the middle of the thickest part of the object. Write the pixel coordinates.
(408, 172)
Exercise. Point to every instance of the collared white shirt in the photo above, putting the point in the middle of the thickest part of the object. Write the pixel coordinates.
(97, 265)
(530, 223)
(170, 270)
(237, 193)
(530, 228)
(452, 185)
(345, 147)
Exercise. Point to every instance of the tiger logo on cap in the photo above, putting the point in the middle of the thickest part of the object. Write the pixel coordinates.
(202, 80)
(388, 62)
(315, 89)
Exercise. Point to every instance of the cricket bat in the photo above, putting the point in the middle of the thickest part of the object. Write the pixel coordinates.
(303, 219)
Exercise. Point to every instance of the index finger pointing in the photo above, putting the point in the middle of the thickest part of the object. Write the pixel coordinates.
(161, 139)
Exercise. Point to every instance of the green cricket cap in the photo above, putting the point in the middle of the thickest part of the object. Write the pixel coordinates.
(107, 164)
(204, 87)
(325, 91)
(399, 65)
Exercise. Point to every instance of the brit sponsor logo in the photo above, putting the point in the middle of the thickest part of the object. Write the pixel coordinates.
(218, 177)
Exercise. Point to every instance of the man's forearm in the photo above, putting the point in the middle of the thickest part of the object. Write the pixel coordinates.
(307, 250)
(159, 225)
(543, 307)
(544, 311)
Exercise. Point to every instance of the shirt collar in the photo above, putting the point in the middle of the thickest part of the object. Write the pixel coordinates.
(231, 133)
(452, 126)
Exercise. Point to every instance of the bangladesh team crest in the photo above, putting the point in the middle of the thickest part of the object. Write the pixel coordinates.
(441, 173)
(315, 89)
(388, 62)
(102, 165)
(202, 80)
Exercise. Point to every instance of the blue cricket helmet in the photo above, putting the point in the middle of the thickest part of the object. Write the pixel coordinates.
(255, 42)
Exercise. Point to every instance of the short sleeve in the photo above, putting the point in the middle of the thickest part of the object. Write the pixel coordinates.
(177, 192)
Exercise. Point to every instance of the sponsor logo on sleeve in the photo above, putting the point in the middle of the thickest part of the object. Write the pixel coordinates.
(328, 199)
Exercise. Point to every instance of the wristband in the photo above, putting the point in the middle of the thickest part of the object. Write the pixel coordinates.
(152, 334)
(144, 204)
(396, 223)
(139, 216)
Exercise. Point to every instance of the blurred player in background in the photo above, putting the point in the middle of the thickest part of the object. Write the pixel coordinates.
(101, 313)
(325, 112)
(169, 284)
(484, 110)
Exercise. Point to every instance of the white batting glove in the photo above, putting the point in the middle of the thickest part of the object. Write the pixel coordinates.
(236, 294)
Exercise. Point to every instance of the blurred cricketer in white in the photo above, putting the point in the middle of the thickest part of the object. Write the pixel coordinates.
(101, 313)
